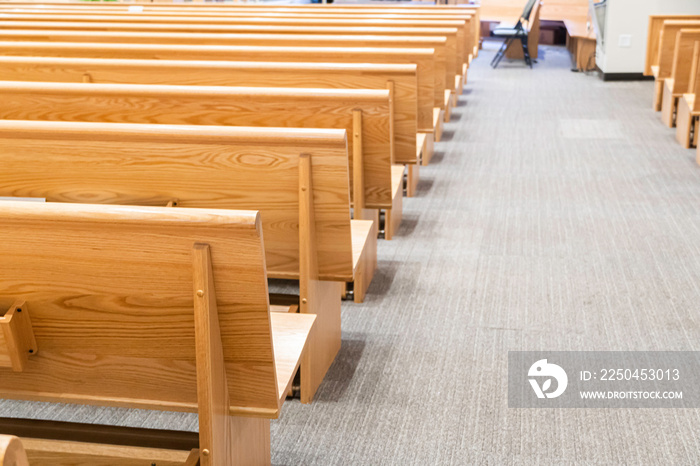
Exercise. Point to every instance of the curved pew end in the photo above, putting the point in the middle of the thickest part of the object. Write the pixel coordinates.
(364, 256)
(669, 103)
(12, 451)
(392, 217)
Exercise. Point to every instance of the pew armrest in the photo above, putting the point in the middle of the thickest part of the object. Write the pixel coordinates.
(290, 334)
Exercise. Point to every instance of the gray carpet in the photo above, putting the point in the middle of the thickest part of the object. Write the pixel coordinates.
(558, 214)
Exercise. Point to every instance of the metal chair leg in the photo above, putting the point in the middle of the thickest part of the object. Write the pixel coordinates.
(526, 51)
(501, 52)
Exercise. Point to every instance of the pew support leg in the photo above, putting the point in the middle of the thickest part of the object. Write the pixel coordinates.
(658, 94)
(684, 124)
(669, 103)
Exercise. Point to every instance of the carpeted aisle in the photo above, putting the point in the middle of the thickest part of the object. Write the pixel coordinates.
(558, 214)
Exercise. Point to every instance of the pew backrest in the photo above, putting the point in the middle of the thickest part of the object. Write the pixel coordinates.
(667, 44)
(367, 112)
(198, 166)
(683, 59)
(107, 293)
(438, 44)
(401, 78)
(422, 58)
(654, 35)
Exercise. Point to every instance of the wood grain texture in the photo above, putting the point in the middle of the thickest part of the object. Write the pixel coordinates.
(402, 78)
(422, 58)
(314, 296)
(110, 291)
(204, 167)
(17, 341)
(219, 106)
(65, 453)
(212, 387)
(469, 31)
(12, 452)
(437, 44)
(683, 60)
(656, 23)
(447, 41)
(667, 45)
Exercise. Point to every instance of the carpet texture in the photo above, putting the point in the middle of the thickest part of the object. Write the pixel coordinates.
(558, 214)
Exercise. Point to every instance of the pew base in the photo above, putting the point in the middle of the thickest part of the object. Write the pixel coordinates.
(425, 148)
(658, 93)
(450, 97)
(465, 67)
(392, 217)
(324, 342)
(669, 104)
(459, 85)
(364, 252)
(686, 122)
(250, 445)
(438, 121)
(412, 177)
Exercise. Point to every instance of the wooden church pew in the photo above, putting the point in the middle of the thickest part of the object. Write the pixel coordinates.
(442, 95)
(677, 83)
(422, 58)
(457, 49)
(194, 278)
(297, 178)
(400, 78)
(653, 37)
(449, 54)
(469, 15)
(12, 452)
(689, 107)
(363, 113)
(667, 45)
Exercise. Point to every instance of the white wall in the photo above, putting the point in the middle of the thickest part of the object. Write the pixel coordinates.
(632, 17)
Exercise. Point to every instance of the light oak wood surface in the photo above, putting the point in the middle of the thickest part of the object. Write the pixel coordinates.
(653, 37)
(255, 74)
(422, 58)
(437, 44)
(119, 329)
(220, 106)
(469, 31)
(12, 451)
(208, 167)
(252, 168)
(679, 80)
